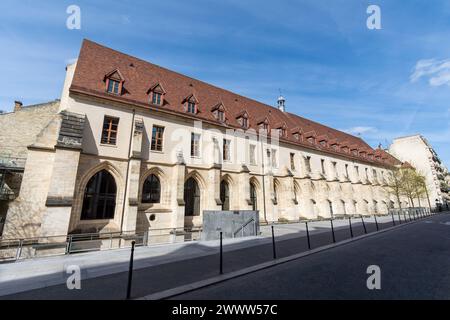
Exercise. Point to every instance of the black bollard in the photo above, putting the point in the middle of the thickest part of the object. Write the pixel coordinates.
(393, 220)
(273, 244)
(307, 236)
(130, 270)
(364, 225)
(221, 252)
(376, 223)
(399, 218)
(350, 225)
(332, 231)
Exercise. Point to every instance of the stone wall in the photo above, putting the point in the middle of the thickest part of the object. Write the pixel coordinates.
(19, 129)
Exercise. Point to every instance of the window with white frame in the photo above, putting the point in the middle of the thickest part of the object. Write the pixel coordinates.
(195, 145)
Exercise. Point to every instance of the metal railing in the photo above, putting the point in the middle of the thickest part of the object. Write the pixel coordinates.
(241, 229)
(16, 249)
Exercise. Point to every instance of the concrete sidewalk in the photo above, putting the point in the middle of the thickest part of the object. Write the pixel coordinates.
(27, 275)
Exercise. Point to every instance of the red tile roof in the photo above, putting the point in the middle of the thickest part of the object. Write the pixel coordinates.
(96, 61)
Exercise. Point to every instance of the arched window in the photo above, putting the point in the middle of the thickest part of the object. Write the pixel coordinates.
(151, 192)
(225, 195)
(191, 198)
(99, 197)
(253, 197)
(275, 192)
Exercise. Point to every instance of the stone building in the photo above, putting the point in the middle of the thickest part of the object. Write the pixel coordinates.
(19, 130)
(426, 161)
(135, 147)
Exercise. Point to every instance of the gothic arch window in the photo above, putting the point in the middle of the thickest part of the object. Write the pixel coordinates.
(151, 191)
(275, 192)
(191, 198)
(225, 195)
(253, 196)
(99, 200)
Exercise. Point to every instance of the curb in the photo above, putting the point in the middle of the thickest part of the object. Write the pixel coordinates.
(169, 293)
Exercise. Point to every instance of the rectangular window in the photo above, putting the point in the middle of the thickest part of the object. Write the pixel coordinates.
(292, 161)
(346, 170)
(109, 133)
(195, 145)
(335, 169)
(113, 86)
(220, 116)
(274, 158)
(156, 99)
(191, 107)
(244, 122)
(157, 138)
(253, 154)
(226, 150)
(357, 172)
(367, 173)
(308, 164)
(322, 163)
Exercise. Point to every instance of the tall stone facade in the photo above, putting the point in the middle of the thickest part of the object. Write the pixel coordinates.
(135, 147)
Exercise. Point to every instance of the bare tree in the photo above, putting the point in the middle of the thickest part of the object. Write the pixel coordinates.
(394, 185)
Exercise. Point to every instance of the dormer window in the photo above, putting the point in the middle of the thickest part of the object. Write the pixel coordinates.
(281, 132)
(345, 149)
(220, 116)
(311, 140)
(244, 123)
(335, 146)
(113, 86)
(156, 93)
(323, 143)
(219, 112)
(281, 129)
(191, 107)
(242, 118)
(156, 98)
(264, 126)
(190, 104)
(355, 152)
(114, 82)
(297, 136)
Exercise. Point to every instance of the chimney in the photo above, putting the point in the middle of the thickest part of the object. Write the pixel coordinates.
(17, 105)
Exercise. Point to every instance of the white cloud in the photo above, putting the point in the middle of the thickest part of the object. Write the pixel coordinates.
(437, 72)
(360, 130)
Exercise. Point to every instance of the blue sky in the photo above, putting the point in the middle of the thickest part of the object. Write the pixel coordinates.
(380, 84)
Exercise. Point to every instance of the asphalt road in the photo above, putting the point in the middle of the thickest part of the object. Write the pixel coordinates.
(158, 278)
(414, 262)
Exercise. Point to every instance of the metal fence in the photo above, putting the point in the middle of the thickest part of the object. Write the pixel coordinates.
(15, 249)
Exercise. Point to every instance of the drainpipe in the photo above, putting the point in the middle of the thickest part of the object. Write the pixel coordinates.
(263, 179)
(128, 170)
